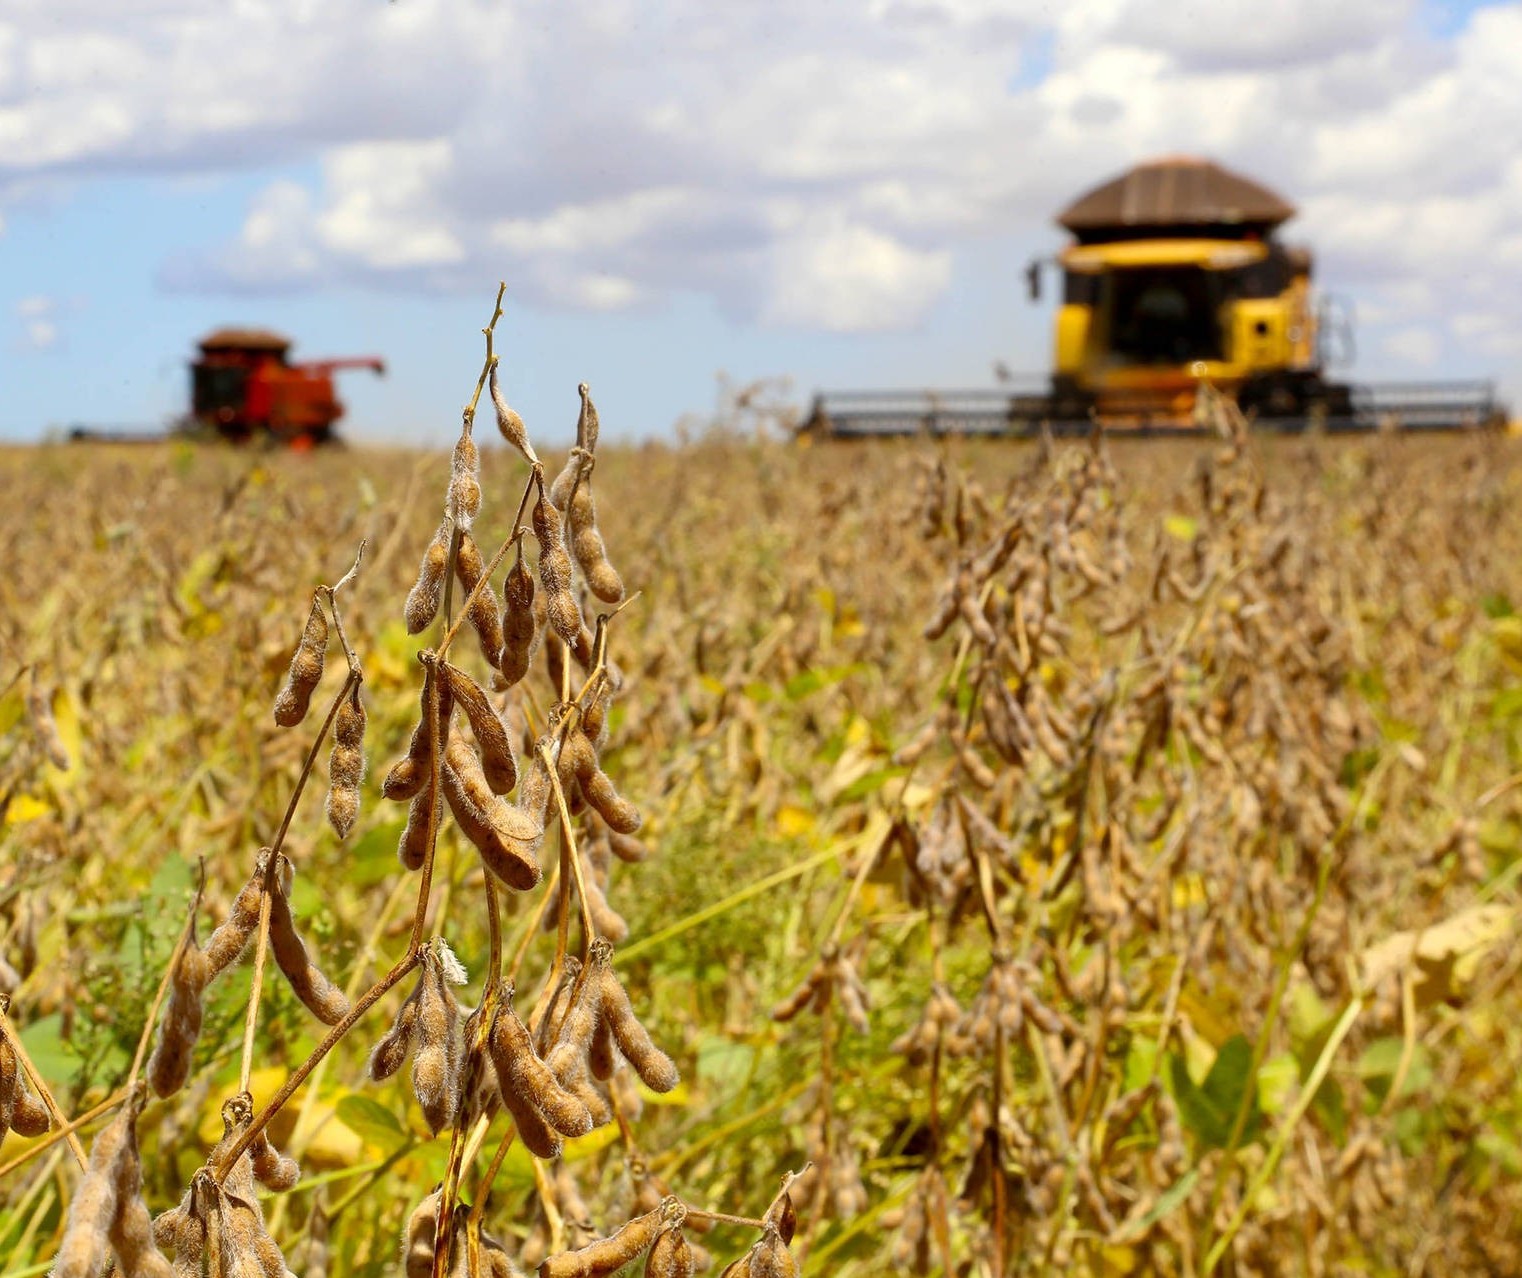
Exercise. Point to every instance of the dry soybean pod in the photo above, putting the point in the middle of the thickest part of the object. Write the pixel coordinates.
(39, 709)
(464, 501)
(770, 1258)
(436, 1059)
(533, 1129)
(110, 1177)
(588, 425)
(346, 765)
(601, 1057)
(497, 759)
(555, 573)
(10, 1078)
(626, 847)
(392, 1050)
(594, 717)
(520, 625)
(410, 774)
(412, 847)
(132, 1239)
(422, 604)
(427, 807)
(418, 1238)
(306, 669)
(272, 1169)
(169, 1066)
(534, 790)
(576, 463)
(519, 1069)
(655, 1068)
(606, 921)
(581, 1086)
(230, 938)
(30, 1117)
(506, 837)
(671, 1254)
(607, 1255)
(508, 421)
(553, 1014)
(587, 546)
(20, 1111)
(323, 999)
(599, 791)
(483, 615)
(574, 1035)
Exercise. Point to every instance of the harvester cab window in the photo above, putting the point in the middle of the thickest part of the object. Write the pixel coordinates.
(1164, 316)
(217, 390)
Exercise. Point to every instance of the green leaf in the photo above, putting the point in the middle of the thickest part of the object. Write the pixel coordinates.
(1506, 706)
(1277, 1077)
(869, 784)
(1381, 1059)
(52, 1054)
(1331, 1110)
(372, 858)
(724, 1063)
(803, 683)
(1141, 1062)
(1170, 1198)
(372, 1122)
(1210, 1108)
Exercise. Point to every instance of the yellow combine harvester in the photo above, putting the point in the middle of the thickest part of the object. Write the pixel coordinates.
(1176, 279)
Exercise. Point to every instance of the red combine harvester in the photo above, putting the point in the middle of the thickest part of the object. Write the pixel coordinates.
(243, 387)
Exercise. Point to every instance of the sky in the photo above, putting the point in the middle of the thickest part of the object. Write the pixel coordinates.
(840, 194)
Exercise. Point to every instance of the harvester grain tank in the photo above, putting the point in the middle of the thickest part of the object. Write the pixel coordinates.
(243, 386)
(1175, 278)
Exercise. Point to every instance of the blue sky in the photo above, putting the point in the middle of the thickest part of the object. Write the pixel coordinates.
(841, 195)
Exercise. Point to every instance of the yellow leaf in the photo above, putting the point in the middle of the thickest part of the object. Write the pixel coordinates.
(917, 795)
(1443, 957)
(66, 716)
(1119, 1261)
(25, 807)
(793, 821)
(1507, 632)
(1181, 527)
(1188, 890)
(332, 1143)
(262, 1084)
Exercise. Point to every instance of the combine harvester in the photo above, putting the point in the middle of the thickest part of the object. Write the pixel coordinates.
(243, 387)
(1176, 280)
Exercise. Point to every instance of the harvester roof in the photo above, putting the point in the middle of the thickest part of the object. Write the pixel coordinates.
(245, 339)
(1173, 195)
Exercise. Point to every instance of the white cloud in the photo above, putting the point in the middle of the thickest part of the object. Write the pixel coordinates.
(1250, 33)
(38, 317)
(801, 164)
(851, 278)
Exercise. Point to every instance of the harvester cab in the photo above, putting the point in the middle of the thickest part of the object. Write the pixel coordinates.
(243, 386)
(1174, 279)
(1176, 276)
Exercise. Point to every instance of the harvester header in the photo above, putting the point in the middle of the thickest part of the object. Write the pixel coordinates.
(1175, 278)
